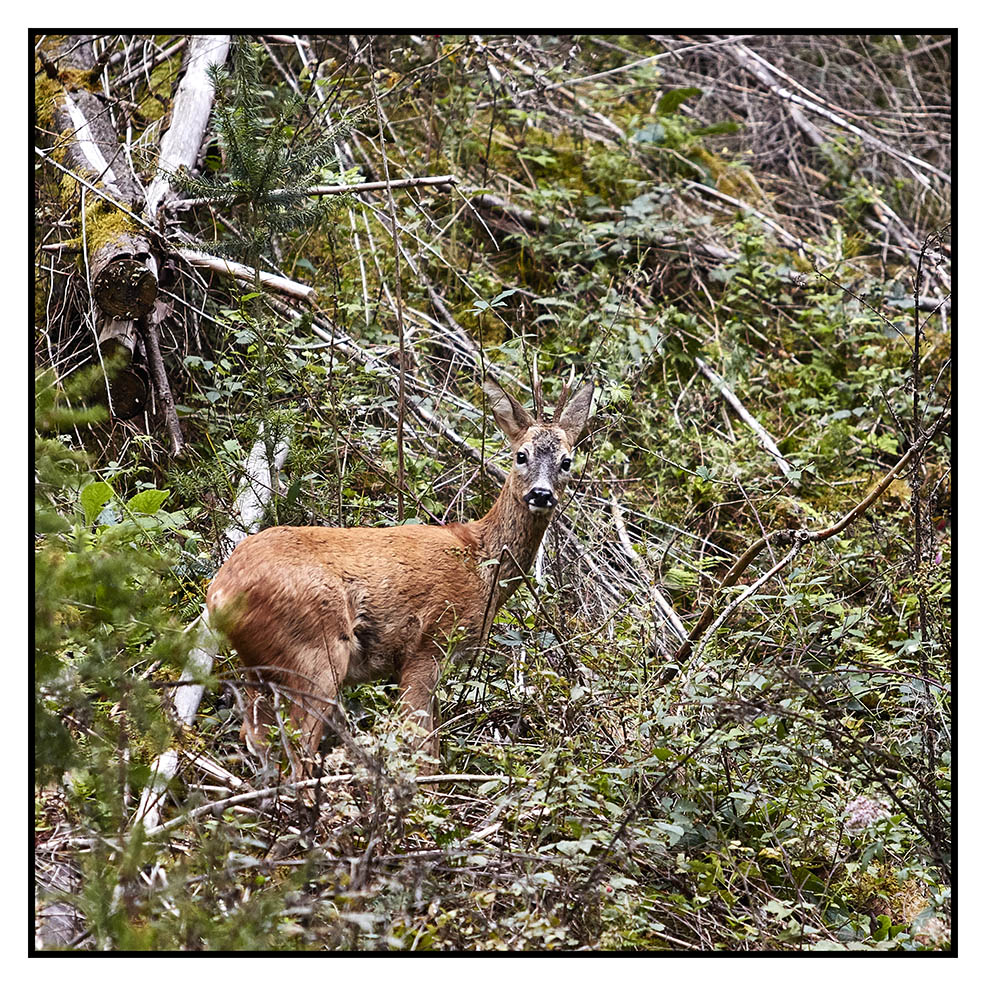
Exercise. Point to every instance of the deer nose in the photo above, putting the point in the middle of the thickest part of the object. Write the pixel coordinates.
(540, 499)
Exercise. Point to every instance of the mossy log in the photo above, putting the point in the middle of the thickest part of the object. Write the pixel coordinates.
(85, 140)
(122, 269)
(124, 273)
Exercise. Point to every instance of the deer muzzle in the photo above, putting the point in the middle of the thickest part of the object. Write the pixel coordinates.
(540, 500)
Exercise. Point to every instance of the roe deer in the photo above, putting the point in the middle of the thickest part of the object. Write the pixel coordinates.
(311, 609)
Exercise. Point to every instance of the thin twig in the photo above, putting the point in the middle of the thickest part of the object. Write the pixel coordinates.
(162, 388)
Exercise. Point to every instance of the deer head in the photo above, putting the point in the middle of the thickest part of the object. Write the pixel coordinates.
(542, 450)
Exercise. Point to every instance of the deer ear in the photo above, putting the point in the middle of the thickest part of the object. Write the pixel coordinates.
(573, 418)
(509, 415)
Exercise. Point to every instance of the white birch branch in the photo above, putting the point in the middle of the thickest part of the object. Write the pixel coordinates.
(255, 492)
(190, 112)
(88, 148)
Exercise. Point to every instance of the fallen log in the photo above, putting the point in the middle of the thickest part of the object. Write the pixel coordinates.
(122, 268)
(117, 257)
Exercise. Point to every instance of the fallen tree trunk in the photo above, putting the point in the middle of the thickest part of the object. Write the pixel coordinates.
(123, 271)
(121, 267)
(180, 147)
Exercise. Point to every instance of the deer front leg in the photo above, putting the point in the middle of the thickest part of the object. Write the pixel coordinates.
(419, 677)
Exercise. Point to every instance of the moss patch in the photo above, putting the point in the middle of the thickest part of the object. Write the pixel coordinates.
(104, 225)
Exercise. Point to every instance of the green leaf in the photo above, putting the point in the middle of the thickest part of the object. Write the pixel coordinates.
(93, 498)
(572, 847)
(673, 99)
(148, 502)
(781, 909)
(294, 491)
(503, 295)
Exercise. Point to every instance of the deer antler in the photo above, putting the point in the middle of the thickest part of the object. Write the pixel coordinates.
(563, 398)
(536, 389)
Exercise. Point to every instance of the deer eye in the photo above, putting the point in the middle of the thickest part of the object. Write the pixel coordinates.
(566, 464)
(521, 457)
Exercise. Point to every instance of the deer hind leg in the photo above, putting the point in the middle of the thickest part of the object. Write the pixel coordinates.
(297, 645)
(258, 717)
(419, 677)
(310, 685)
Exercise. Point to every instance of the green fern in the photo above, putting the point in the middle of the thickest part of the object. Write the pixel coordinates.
(874, 657)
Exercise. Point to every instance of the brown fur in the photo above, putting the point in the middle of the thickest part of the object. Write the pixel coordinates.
(311, 609)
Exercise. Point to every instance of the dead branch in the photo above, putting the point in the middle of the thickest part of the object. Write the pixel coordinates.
(401, 332)
(504, 211)
(765, 439)
(444, 181)
(791, 241)
(799, 542)
(656, 596)
(144, 69)
(162, 388)
(233, 269)
(767, 75)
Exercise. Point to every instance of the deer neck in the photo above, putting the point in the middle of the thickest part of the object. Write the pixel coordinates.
(510, 525)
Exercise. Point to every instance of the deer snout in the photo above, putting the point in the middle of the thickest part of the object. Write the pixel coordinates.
(539, 499)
